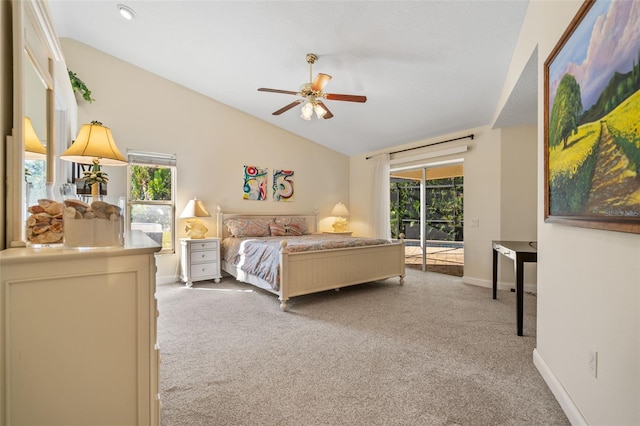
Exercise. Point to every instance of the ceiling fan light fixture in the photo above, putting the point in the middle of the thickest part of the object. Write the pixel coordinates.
(126, 12)
(307, 111)
(320, 112)
(312, 95)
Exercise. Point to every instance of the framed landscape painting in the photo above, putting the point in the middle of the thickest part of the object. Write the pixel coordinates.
(592, 119)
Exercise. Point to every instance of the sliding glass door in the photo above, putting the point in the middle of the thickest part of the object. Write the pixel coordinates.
(427, 206)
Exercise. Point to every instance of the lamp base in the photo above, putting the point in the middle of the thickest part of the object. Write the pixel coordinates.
(340, 225)
(196, 229)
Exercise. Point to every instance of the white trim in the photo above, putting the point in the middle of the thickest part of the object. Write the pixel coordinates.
(564, 399)
(43, 17)
(168, 279)
(528, 288)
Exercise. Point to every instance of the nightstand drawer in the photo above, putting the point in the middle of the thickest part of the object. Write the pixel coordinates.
(203, 270)
(203, 256)
(209, 245)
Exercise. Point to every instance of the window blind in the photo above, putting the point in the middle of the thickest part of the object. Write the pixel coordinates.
(151, 158)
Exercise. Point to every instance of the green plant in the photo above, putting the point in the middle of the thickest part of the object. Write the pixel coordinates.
(79, 86)
(95, 175)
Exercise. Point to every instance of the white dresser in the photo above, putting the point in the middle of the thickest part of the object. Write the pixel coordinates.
(200, 260)
(79, 338)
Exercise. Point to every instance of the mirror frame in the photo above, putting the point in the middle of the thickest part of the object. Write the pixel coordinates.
(33, 35)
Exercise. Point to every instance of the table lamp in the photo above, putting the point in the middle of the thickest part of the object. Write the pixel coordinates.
(340, 210)
(194, 209)
(34, 149)
(94, 145)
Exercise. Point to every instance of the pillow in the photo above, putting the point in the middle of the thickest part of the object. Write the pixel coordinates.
(254, 227)
(282, 230)
(298, 222)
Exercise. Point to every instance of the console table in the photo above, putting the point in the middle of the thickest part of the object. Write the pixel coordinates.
(520, 252)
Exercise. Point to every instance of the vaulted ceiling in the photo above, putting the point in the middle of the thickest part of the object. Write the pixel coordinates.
(427, 68)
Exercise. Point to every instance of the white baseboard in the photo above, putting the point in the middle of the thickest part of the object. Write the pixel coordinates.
(563, 398)
(529, 288)
(169, 279)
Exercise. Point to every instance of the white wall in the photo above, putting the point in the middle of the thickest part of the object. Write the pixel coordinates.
(518, 168)
(588, 280)
(212, 142)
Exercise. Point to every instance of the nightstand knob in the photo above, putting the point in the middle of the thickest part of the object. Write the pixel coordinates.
(202, 255)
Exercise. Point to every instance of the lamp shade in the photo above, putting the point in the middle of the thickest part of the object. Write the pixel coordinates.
(320, 112)
(307, 111)
(94, 141)
(340, 210)
(34, 150)
(195, 208)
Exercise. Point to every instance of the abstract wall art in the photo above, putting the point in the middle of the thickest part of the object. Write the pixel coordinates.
(283, 185)
(255, 183)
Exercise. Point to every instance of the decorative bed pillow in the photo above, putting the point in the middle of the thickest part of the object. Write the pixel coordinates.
(283, 230)
(254, 227)
(298, 222)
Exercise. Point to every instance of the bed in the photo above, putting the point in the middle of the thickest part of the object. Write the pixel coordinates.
(301, 265)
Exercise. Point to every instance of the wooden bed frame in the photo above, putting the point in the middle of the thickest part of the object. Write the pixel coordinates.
(315, 271)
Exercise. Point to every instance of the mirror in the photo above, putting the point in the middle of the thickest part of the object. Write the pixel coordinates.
(44, 111)
(35, 132)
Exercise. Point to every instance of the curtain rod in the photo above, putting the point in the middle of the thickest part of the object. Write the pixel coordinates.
(431, 144)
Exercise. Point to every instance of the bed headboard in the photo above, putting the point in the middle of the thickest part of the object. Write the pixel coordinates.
(311, 219)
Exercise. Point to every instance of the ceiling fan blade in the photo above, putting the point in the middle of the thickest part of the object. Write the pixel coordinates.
(350, 98)
(328, 114)
(288, 107)
(286, 92)
(320, 81)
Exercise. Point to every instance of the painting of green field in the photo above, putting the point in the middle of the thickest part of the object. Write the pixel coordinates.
(598, 172)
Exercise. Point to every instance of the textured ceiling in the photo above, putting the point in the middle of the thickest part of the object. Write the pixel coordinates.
(428, 68)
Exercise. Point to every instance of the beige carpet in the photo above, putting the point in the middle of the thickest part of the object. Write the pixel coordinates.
(432, 352)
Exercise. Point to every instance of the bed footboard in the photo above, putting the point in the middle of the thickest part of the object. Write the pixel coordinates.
(314, 271)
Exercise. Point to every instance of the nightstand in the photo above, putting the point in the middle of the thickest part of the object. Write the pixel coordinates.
(338, 233)
(200, 260)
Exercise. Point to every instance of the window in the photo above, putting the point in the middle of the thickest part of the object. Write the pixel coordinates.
(35, 177)
(151, 196)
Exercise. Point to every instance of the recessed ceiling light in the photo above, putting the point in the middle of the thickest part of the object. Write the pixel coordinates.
(126, 12)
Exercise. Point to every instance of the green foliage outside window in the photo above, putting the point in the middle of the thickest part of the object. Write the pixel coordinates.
(151, 200)
(444, 209)
(150, 183)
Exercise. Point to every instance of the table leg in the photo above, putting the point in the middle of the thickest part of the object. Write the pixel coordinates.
(495, 273)
(519, 271)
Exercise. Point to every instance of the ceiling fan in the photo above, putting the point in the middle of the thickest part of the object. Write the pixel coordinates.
(312, 93)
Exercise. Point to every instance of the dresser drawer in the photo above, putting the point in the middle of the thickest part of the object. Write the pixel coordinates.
(203, 256)
(207, 245)
(203, 269)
